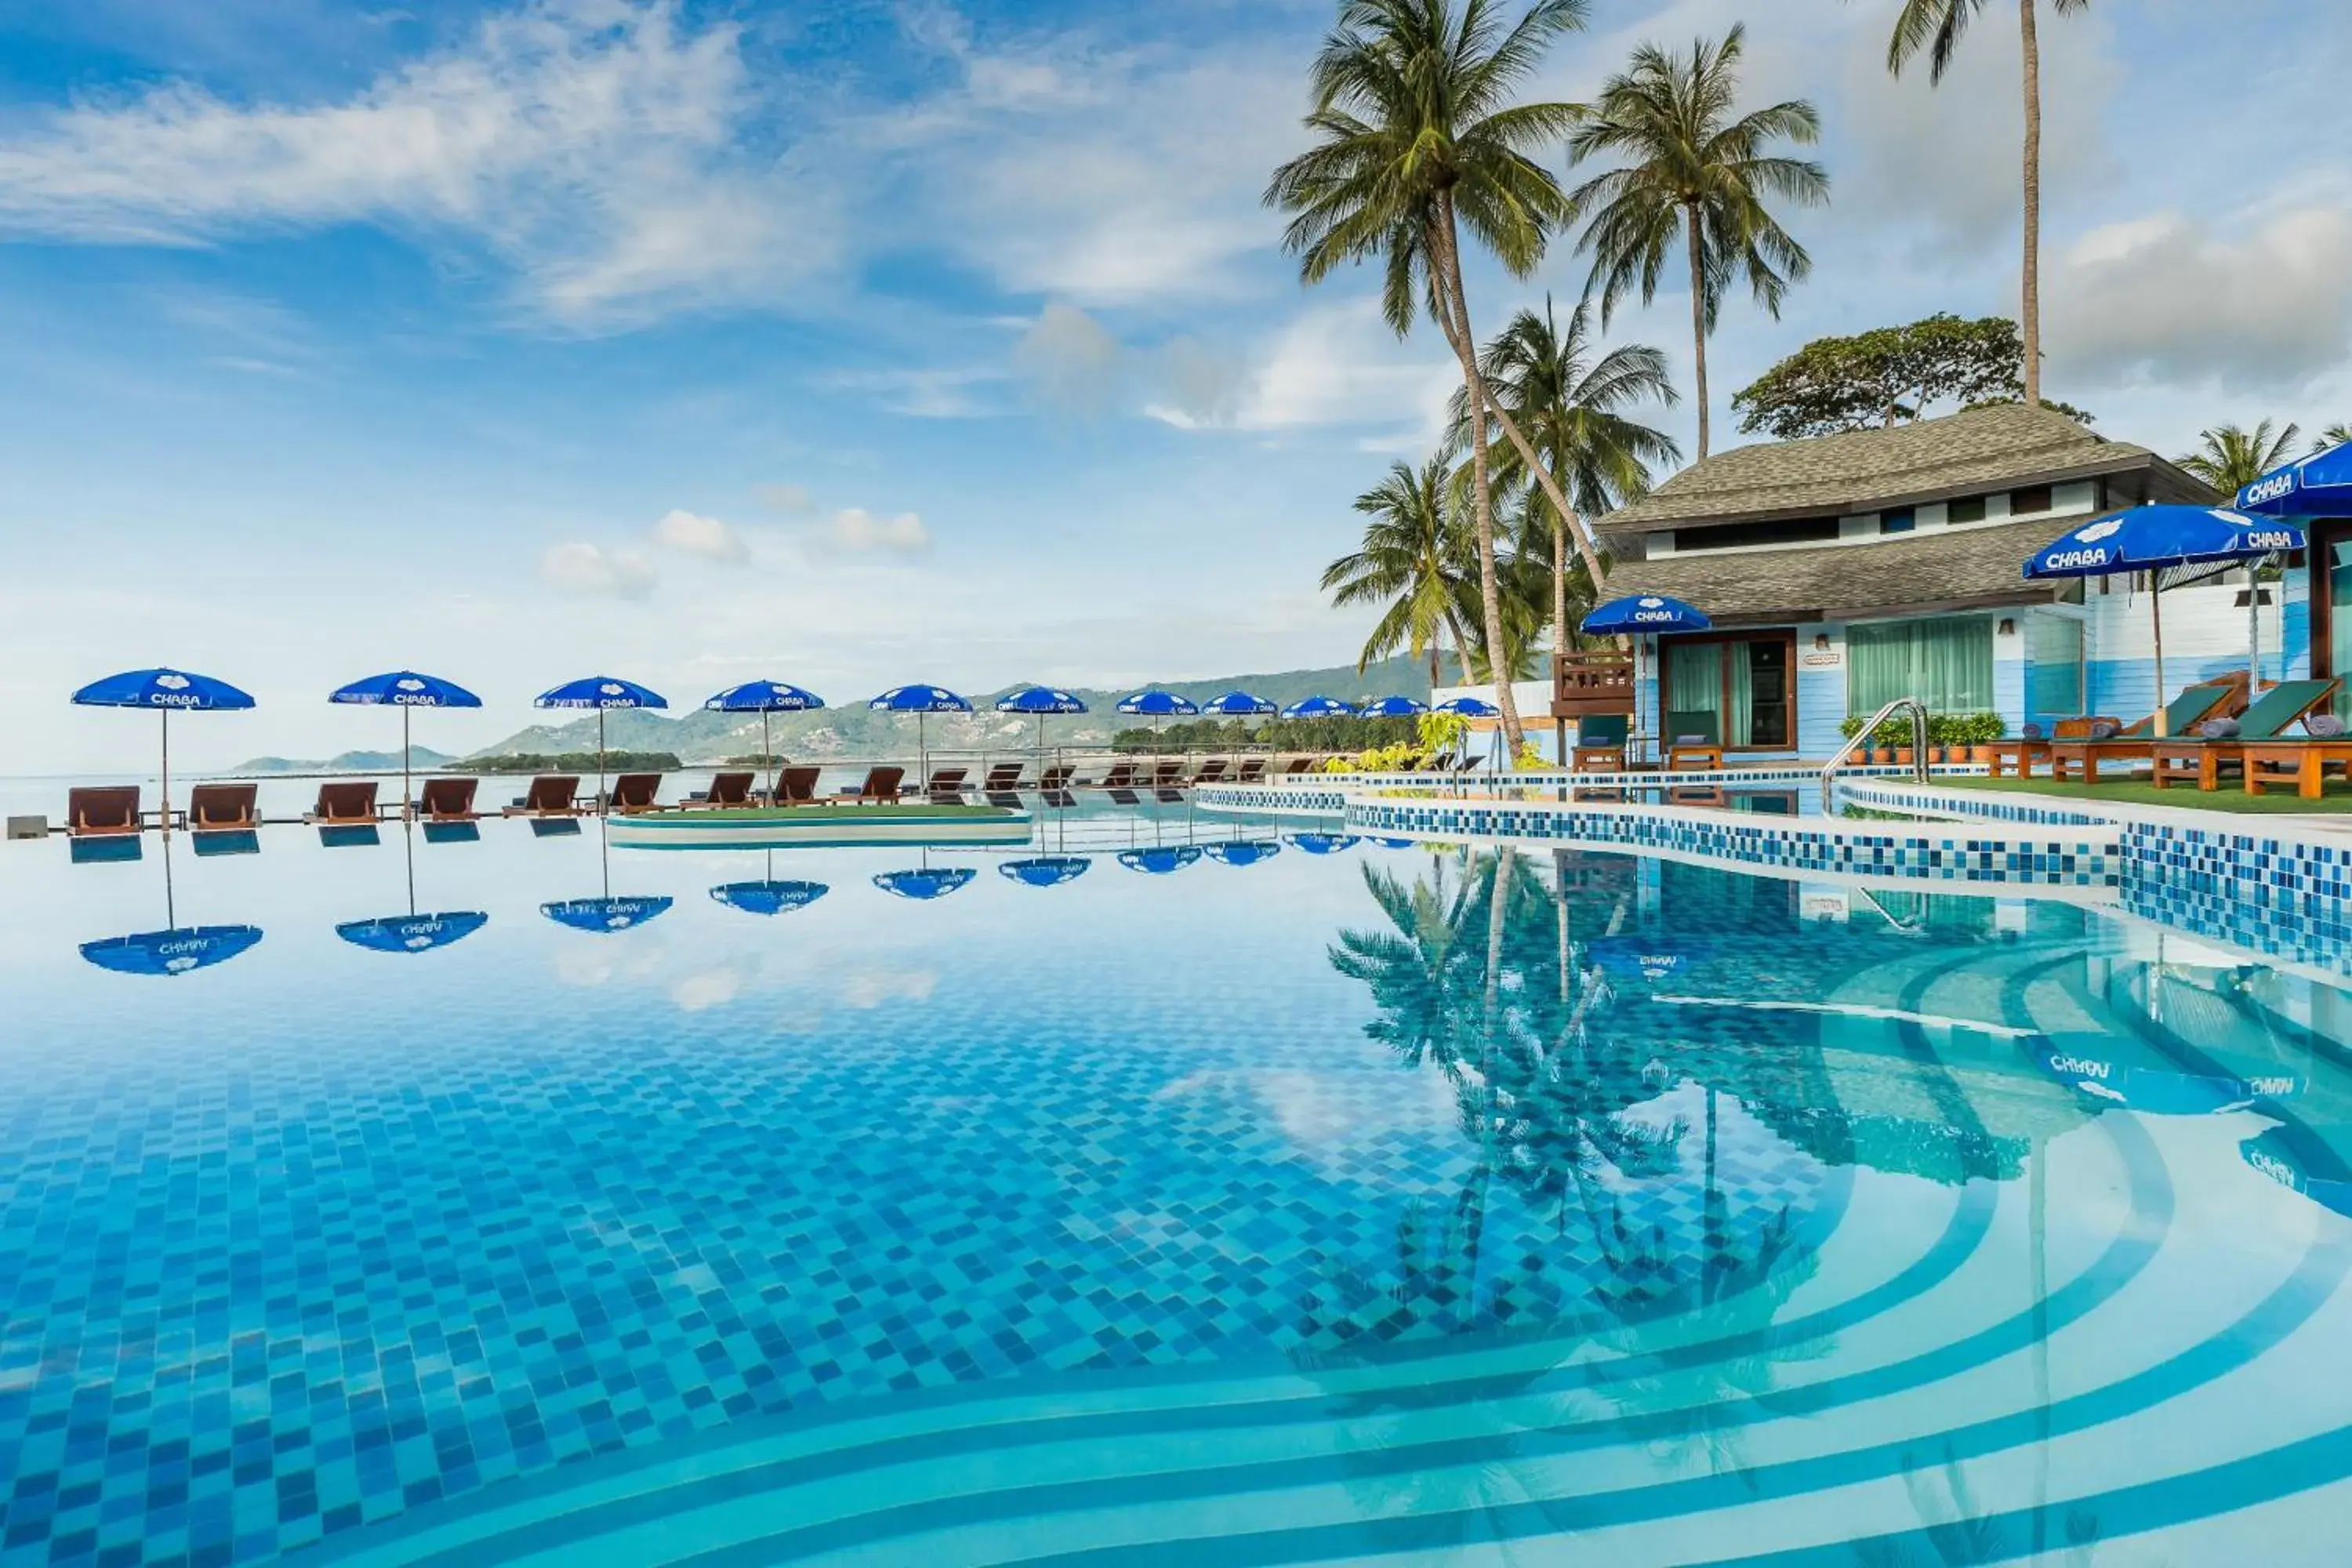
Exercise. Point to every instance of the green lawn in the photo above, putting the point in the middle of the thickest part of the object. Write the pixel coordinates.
(2188, 797)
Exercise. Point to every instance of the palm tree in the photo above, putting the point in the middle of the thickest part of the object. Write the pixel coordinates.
(2231, 458)
(1937, 25)
(1416, 556)
(2334, 435)
(1568, 402)
(1694, 176)
(1416, 139)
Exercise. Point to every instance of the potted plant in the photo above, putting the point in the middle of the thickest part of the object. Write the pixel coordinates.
(1984, 728)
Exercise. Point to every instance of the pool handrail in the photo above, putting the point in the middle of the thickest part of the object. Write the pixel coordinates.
(1860, 737)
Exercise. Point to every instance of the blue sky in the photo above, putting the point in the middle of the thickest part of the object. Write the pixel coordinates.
(856, 343)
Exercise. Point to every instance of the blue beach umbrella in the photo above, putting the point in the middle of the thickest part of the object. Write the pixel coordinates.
(763, 698)
(1320, 707)
(173, 951)
(1239, 704)
(930, 882)
(164, 690)
(1043, 702)
(1161, 859)
(1323, 843)
(1637, 615)
(604, 915)
(919, 700)
(2155, 540)
(1045, 870)
(1394, 707)
(1156, 705)
(1468, 708)
(412, 933)
(404, 689)
(769, 898)
(1244, 851)
(603, 693)
(2317, 486)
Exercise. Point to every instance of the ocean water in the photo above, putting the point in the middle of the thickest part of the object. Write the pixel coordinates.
(1180, 1188)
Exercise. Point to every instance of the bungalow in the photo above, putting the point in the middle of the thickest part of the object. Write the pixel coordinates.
(1844, 571)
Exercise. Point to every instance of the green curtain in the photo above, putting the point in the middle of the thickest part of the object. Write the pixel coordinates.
(1739, 723)
(1946, 661)
(1694, 676)
(2054, 669)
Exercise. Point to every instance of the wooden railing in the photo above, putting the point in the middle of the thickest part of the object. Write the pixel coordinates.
(1591, 681)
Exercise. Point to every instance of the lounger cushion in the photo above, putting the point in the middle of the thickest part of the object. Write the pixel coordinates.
(2322, 726)
(2218, 729)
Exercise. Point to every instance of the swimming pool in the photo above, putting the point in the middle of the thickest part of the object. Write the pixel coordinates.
(1178, 1188)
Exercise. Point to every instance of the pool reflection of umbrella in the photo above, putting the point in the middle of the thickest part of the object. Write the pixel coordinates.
(175, 950)
(603, 693)
(404, 689)
(413, 933)
(2302, 1160)
(920, 701)
(1244, 851)
(764, 698)
(769, 898)
(927, 882)
(161, 691)
(172, 952)
(1385, 842)
(1323, 843)
(1159, 860)
(1045, 870)
(606, 914)
(2154, 1090)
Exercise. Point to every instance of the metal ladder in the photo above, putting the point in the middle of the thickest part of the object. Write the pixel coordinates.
(1861, 738)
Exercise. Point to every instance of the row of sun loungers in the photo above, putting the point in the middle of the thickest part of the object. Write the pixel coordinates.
(2255, 747)
(231, 808)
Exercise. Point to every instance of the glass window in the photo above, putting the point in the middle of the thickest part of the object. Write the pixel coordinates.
(1970, 509)
(2053, 666)
(2339, 618)
(1740, 686)
(1902, 521)
(2026, 501)
(1946, 661)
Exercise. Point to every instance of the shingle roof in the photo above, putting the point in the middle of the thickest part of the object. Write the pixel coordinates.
(1866, 470)
(1911, 573)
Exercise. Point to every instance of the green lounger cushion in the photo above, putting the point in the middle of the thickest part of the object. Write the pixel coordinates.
(2182, 713)
(1693, 726)
(2269, 714)
(1602, 730)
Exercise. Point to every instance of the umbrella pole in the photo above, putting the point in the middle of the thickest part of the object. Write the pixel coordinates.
(404, 812)
(167, 783)
(170, 905)
(2155, 610)
(2253, 630)
(767, 755)
(600, 802)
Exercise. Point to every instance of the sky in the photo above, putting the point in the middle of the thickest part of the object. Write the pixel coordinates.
(854, 343)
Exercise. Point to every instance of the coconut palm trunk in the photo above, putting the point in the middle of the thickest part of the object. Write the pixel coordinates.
(1453, 316)
(2030, 307)
(1698, 321)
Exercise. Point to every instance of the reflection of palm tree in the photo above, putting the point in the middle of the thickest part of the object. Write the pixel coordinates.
(1413, 969)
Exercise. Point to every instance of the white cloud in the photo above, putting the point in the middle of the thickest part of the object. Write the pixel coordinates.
(594, 144)
(695, 534)
(1070, 360)
(1335, 362)
(944, 393)
(855, 528)
(710, 988)
(580, 568)
(2166, 299)
(786, 499)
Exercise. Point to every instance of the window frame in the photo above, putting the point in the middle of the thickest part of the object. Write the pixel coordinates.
(1785, 636)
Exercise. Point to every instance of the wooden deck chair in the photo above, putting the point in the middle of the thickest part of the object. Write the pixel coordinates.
(97, 810)
(222, 808)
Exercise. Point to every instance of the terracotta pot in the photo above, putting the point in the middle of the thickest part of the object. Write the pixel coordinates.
(1902, 756)
(1882, 755)
(1980, 754)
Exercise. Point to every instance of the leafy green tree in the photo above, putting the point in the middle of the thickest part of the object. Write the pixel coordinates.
(1937, 26)
(1568, 401)
(1695, 176)
(1416, 557)
(1417, 138)
(2227, 458)
(1882, 377)
(2334, 435)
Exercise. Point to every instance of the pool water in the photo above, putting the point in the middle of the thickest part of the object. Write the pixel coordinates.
(1181, 1188)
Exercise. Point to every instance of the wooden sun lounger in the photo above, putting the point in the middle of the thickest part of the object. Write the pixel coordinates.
(1056, 779)
(222, 808)
(448, 800)
(345, 802)
(2261, 734)
(1167, 773)
(1120, 776)
(796, 786)
(1002, 777)
(1600, 744)
(1211, 770)
(2223, 698)
(2018, 754)
(726, 789)
(880, 788)
(98, 810)
(946, 783)
(1252, 770)
(634, 794)
(1296, 767)
(550, 795)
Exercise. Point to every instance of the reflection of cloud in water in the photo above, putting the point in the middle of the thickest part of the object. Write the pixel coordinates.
(710, 987)
(872, 987)
(1322, 1114)
(602, 962)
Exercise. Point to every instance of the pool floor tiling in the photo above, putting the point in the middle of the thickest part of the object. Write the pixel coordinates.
(1344, 1199)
